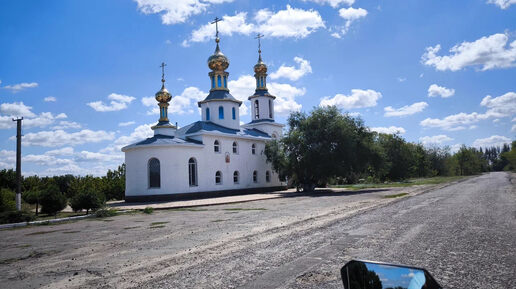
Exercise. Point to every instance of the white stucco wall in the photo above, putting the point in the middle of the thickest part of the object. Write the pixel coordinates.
(263, 111)
(174, 167)
(228, 120)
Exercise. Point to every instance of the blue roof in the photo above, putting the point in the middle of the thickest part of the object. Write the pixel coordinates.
(210, 126)
(160, 139)
(262, 120)
(261, 92)
(219, 95)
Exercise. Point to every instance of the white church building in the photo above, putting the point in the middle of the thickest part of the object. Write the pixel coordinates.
(212, 157)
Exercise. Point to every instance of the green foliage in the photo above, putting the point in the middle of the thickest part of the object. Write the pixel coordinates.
(32, 197)
(148, 210)
(52, 200)
(509, 158)
(8, 179)
(87, 200)
(7, 200)
(16, 217)
(104, 213)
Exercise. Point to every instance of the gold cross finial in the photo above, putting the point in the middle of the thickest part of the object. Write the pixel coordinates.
(163, 71)
(216, 22)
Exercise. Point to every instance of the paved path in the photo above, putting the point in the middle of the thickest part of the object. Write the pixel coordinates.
(463, 233)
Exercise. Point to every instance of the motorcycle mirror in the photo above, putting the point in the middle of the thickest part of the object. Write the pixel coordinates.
(358, 274)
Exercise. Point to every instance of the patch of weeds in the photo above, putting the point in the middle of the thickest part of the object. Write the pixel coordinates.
(190, 209)
(139, 221)
(108, 220)
(42, 232)
(23, 246)
(129, 228)
(219, 220)
(395, 196)
(158, 223)
(148, 210)
(245, 209)
(71, 232)
(155, 227)
(33, 254)
(104, 213)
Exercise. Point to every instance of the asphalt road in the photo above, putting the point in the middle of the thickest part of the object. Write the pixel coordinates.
(463, 233)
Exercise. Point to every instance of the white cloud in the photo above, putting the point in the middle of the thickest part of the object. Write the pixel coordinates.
(494, 140)
(46, 160)
(86, 156)
(504, 4)
(436, 90)
(127, 123)
(389, 130)
(402, 79)
(241, 89)
(66, 151)
(185, 103)
(405, 110)
(118, 102)
(359, 98)
(351, 15)
(292, 72)
(501, 106)
(292, 22)
(513, 129)
(66, 125)
(7, 159)
(286, 94)
(141, 132)
(488, 52)
(175, 11)
(50, 99)
(435, 140)
(333, 3)
(16, 109)
(20, 86)
(453, 122)
(229, 25)
(61, 138)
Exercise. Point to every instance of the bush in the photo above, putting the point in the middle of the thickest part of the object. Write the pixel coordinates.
(7, 200)
(16, 217)
(103, 213)
(32, 197)
(148, 210)
(87, 200)
(52, 200)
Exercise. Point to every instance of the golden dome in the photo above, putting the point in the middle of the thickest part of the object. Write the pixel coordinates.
(260, 68)
(163, 95)
(218, 61)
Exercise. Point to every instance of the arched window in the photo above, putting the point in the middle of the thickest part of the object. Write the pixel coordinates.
(261, 81)
(253, 149)
(255, 177)
(213, 82)
(221, 112)
(154, 173)
(225, 82)
(235, 147)
(216, 146)
(233, 113)
(270, 108)
(192, 172)
(268, 176)
(235, 177)
(219, 81)
(218, 178)
(207, 113)
(256, 109)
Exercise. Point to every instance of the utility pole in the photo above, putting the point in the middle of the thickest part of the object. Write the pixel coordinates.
(18, 162)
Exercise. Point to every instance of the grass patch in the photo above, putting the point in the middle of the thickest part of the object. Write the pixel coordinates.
(158, 223)
(130, 228)
(104, 213)
(23, 246)
(395, 196)
(148, 210)
(155, 227)
(139, 221)
(43, 217)
(71, 232)
(219, 220)
(42, 232)
(108, 220)
(245, 209)
(407, 183)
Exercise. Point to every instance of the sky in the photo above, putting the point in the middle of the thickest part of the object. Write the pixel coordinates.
(83, 74)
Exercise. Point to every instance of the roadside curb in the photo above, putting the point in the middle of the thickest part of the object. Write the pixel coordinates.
(50, 221)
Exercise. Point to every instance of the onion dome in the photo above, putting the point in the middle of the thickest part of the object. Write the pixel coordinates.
(163, 95)
(218, 61)
(260, 67)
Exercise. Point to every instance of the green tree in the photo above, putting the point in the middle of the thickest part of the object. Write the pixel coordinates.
(8, 179)
(52, 200)
(32, 197)
(114, 183)
(87, 200)
(7, 200)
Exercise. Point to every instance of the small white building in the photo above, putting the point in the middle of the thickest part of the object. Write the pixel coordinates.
(211, 157)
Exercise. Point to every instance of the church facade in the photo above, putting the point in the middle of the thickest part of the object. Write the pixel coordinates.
(211, 157)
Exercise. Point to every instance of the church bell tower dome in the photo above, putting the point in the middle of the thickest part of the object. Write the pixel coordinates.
(218, 61)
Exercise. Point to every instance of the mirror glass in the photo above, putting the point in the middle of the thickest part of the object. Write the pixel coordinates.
(369, 275)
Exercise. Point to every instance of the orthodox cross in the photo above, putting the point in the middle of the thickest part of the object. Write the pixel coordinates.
(216, 22)
(163, 70)
(259, 36)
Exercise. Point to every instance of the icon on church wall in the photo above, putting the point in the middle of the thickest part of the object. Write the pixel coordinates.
(227, 157)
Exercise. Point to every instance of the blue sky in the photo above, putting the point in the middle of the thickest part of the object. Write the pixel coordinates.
(83, 73)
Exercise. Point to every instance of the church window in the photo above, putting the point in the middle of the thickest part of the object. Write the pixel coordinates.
(219, 81)
(225, 82)
(261, 81)
(268, 176)
(192, 172)
(253, 149)
(213, 82)
(221, 112)
(235, 177)
(218, 178)
(256, 109)
(235, 147)
(207, 113)
(233, 113)
(154, 173)
(255, 177)
(270, 108)
(257, 83)
(216, 146)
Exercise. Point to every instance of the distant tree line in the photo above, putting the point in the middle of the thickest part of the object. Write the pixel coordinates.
(50, 195)
(328, 147)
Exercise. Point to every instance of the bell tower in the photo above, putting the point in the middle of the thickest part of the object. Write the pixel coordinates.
(163, 97)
